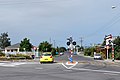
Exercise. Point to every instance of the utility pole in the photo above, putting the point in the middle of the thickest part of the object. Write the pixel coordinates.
(54, 43)
(50, 40)
(81, 41)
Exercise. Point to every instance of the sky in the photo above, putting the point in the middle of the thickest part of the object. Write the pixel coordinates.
(56, 20)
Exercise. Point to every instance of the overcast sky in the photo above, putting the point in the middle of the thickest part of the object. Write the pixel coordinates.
(42, 20)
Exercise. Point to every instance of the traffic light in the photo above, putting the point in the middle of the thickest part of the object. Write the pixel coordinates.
(68, 43)
(110, 42)
(74, 43)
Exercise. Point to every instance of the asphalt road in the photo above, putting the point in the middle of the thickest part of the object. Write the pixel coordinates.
(89, 70)
(75, 58)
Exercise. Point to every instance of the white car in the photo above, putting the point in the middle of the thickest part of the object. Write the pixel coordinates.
(97, 56)
(61, 53)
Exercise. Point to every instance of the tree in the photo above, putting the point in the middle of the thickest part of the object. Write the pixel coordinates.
(117, 43)
(62, 49)
(117, 47)
(4, 40)
(45, 47)
(90, 51)
(25, 45)
(2, 54)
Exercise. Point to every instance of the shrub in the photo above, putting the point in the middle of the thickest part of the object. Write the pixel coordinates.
(19, 56)
(89, 51)
(117, 56)
(2, 54)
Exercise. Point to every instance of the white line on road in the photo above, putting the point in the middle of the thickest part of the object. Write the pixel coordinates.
(102, 71)
(11, 64)
(73, 65)
(65, 66)
(2, 63)
(39, 68)
(111, 74)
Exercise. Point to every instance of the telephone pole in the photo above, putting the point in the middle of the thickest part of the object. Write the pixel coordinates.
(54, 43)
(81, 41)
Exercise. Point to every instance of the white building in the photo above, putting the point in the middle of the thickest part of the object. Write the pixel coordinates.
(13, 49)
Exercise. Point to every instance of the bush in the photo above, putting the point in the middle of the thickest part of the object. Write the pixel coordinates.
(2, 54)
(117, 56)
(19, 56)
(89, 51)
(53, 51)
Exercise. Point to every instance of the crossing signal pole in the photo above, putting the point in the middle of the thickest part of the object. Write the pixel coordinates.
(109, 43)
(71, 46)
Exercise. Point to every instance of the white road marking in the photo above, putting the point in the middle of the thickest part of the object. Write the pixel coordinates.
(102, 71)
(2, 63)
(65, 66)
(111, 74)
(39, 68)
(73, 65)
(18, 63)
(12, 64)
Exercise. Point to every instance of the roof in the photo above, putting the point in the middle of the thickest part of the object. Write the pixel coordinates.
(15, 46)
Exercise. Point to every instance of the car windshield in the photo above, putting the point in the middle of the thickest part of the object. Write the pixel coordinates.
(46, 54)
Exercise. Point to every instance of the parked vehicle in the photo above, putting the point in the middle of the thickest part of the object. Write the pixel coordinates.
(97, 56)
(61, 53)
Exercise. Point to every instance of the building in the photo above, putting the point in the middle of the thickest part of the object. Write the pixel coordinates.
(13, 49)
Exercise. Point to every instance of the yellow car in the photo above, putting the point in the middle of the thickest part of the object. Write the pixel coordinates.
(46, 57)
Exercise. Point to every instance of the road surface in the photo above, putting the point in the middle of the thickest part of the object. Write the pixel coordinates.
(87, 69)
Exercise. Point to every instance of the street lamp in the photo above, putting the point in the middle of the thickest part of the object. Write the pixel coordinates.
(113, 7)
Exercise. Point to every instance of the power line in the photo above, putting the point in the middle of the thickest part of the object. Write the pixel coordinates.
(108, 25)
(25, 2)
